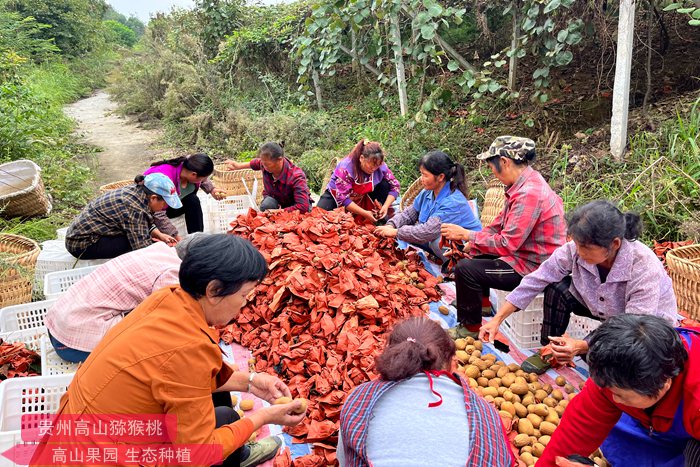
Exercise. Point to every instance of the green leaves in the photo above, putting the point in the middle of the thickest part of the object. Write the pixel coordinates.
(552, 5)
(452, 65)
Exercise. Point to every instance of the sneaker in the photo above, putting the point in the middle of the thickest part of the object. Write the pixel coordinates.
(261, 451)
(535, 364)
(460, 331)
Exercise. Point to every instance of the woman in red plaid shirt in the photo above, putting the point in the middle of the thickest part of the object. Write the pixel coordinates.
(523, 235)
(284, 184)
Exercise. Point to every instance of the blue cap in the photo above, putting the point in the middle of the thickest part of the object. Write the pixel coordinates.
(163, 186)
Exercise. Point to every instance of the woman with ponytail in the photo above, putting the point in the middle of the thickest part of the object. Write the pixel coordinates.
(188, 173)
(442, 200)
(362, 183)
(603, 271)
(443, 422)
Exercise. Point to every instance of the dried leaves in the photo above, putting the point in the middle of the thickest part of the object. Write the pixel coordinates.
(16, 360)
(318, 318)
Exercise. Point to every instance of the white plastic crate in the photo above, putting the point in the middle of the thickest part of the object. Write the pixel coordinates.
(524, 327)
(24, 316)
(580, 326)
(181, 225)
(30, 395)
(55, 283)
(221, 213)
(31, 338)
(9, 439)
(61, 233)
(55, 257)
(51, 363)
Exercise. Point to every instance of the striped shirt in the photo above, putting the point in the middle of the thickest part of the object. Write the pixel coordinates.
(123, 211)
(528, 229)
(486, 437)
(81, 317)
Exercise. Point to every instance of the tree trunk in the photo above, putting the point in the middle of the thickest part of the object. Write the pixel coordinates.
(366, 65)
(647, 94)
(513, 65)
(317, 89)
(353, 51)
(621, 90)
(400, 71)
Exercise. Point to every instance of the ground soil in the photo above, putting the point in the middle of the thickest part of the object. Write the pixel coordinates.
(126, 148)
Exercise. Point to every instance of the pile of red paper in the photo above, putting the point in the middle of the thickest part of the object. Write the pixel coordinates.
(319, 318)
(16, 360)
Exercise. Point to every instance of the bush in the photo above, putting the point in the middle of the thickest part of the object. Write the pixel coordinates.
(76, 26)
(117, 33)
(317, 164)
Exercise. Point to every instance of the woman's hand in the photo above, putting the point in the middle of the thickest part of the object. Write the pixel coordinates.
(369, 215)
(386, 231)
(268, 387)
(454, 232)
(283, 414)
(565, 348)
(234, 165)
(159, 236)
(488, 330)
(218, 194)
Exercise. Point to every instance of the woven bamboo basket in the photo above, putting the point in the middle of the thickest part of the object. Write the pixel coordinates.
(684, 269)
(410, 194)
(494, 200)
(22, 192)
(18, 257)
(115, 185)
(231, 181)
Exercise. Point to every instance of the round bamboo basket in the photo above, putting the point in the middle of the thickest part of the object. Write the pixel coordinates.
(232, 181)
(494, 200)
(115, 185)
(18, 257)
(22, 192)
(410, 194)
(684, 269)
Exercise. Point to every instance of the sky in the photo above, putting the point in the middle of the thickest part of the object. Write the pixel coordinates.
(143, 9)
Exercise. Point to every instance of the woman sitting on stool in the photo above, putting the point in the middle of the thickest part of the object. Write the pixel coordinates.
(361, 183)
(602, 272)
(443, 199)
(284, 184)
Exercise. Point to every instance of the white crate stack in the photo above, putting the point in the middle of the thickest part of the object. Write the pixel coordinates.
(56, 283)
(23, 396)
(55, 257)
(221, 213)
(25, 316)
(524, 327)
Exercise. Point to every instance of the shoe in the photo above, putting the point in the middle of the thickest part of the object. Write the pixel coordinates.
(261, 451)
(460, 331)
(535, 364)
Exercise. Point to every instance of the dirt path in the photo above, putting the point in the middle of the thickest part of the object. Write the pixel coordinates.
(126, 149)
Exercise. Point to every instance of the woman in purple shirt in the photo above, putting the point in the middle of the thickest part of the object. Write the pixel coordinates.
(602, 272)
(362, 183)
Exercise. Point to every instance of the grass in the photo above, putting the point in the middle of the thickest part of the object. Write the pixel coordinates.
(658, 179)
